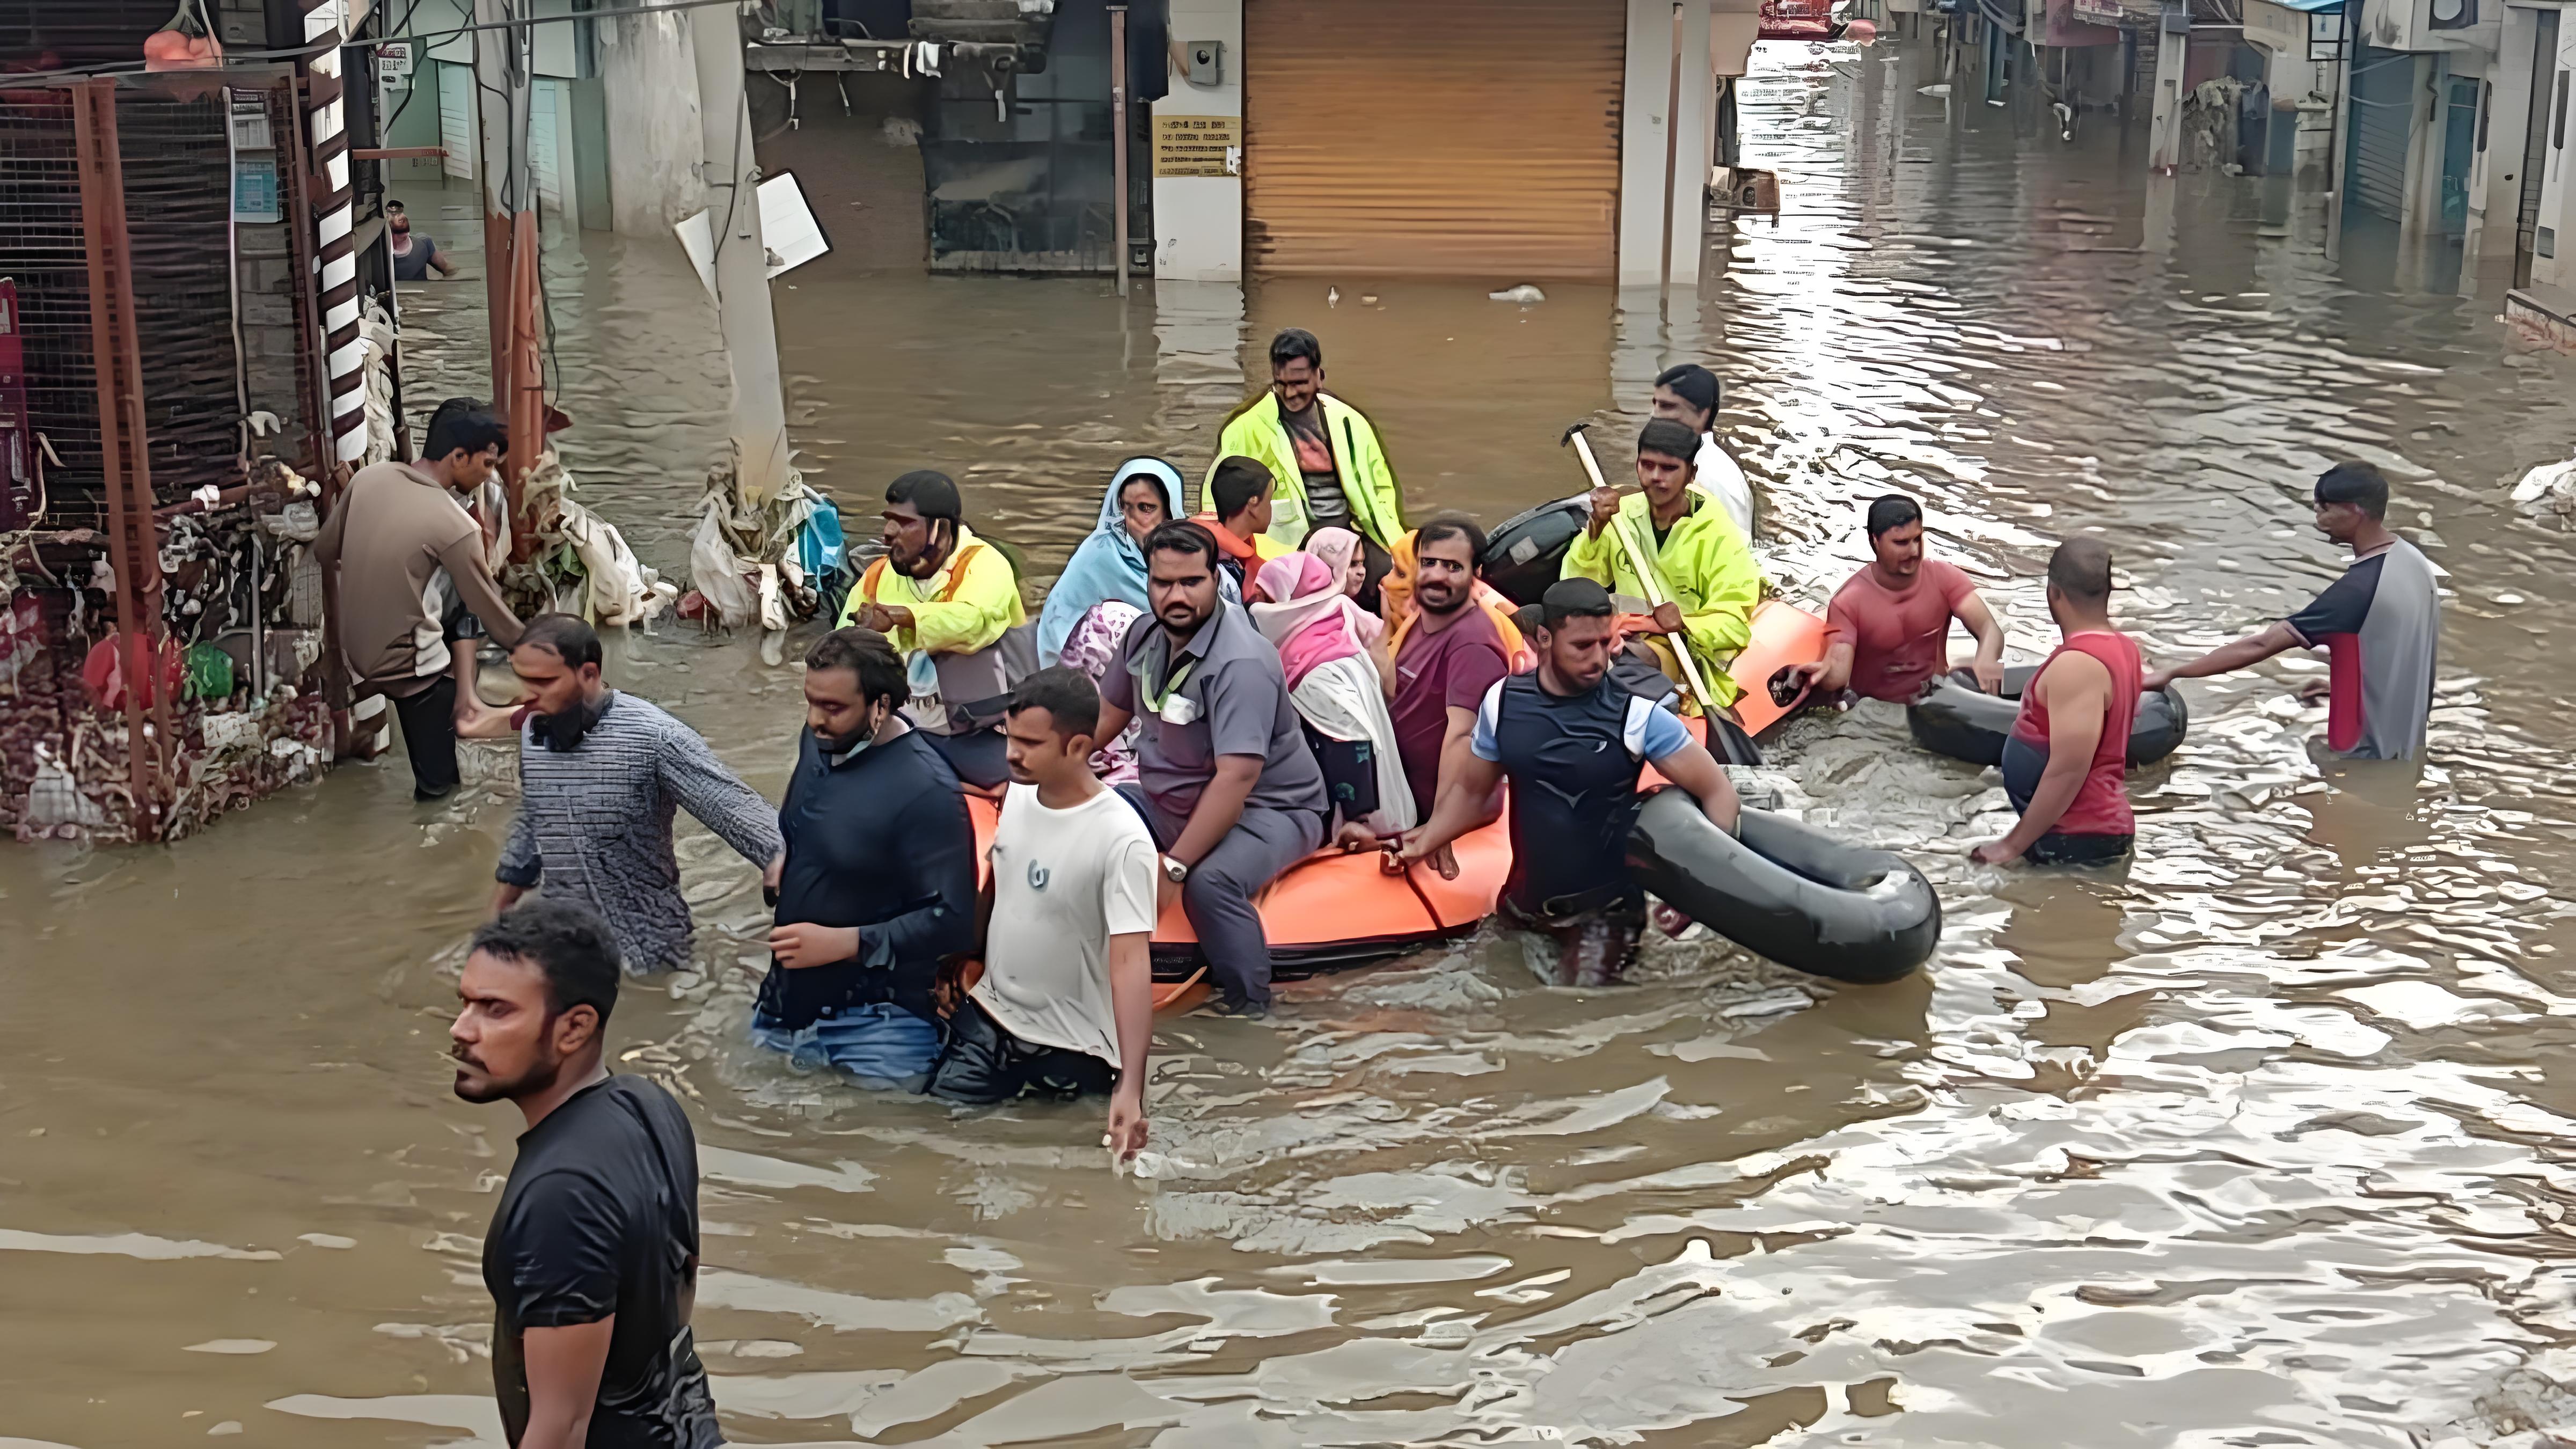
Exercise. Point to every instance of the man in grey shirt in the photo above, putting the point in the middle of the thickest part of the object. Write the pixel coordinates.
(2380, 625)
(600, 776)
(1225, 779)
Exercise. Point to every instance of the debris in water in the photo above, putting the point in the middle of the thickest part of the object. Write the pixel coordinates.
(1523, 294)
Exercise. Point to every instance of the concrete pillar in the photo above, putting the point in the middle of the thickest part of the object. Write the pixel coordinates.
(1644, 125)
(1198, 220)
(2422, 204)
(759, 423)
(2173, 51)
(2495, 183)
(2558, 189)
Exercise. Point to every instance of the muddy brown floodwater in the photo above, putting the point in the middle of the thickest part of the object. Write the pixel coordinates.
(2265, 1142)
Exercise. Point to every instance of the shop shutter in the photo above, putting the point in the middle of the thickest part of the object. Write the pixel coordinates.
(546, 136)
(456, 118)
(1474, 138)
(2383, 115)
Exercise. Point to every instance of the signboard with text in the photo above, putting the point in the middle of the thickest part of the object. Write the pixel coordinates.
(1198, 145)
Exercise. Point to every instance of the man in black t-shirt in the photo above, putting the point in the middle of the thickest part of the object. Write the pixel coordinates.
(592, 1256)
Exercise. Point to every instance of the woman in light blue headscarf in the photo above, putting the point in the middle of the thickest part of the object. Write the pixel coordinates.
(1110, 564)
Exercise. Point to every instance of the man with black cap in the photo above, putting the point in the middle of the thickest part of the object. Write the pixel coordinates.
(950, 603)
(1573, 745)
(1688, 395)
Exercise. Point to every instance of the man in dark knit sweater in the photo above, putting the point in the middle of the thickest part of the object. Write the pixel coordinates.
(879, 880)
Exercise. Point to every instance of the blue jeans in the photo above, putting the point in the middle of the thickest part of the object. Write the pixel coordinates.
(882, 1046)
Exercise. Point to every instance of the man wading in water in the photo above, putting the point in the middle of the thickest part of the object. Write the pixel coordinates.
(592, 1256)
(1573, 744)
(2380, 625)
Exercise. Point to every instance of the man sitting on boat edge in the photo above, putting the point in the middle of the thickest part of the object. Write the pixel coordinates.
(1699, 573)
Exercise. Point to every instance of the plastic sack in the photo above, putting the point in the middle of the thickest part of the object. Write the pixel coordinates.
(620, 589)
(722, 575)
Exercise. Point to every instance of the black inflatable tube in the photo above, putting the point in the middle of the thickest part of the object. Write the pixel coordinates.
(1525, 551)
(1786, 891)
(1957, 719)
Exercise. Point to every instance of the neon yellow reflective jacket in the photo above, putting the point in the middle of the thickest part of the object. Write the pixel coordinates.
(968, 605)
(1377, 505)
(1704, 566)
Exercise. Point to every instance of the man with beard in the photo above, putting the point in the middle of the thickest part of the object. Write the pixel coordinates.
(1225, 780)
(592, 1255)
(415, 255)
(1889, 624)
(600, 775)
(879, 878)
(1449, 656)
(1573, 745)
(950, 604)
(1323, 457)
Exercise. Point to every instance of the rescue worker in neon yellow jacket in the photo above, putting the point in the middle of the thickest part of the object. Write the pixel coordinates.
(1704, 570)
(950, 604)
(1331, 471)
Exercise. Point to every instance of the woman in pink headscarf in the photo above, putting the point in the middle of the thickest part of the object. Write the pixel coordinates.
(1339, 692)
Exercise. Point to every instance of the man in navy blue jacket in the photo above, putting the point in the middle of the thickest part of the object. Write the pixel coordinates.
(878, 882)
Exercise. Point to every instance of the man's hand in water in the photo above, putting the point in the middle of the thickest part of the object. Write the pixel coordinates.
(2154, 680)
(1995, 852)
(1127, 1125)
(1605, 506)
(801, 945)
(1990, 675)
(1668, 618)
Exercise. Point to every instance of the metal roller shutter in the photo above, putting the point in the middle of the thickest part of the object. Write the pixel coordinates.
(546, 150)
(456, 119)
(2383, 117)
(1471, 138)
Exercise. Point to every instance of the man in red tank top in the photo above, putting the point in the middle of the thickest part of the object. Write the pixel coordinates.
(2069, 748)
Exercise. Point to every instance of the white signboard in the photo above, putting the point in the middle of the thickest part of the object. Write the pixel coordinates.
(393, 64)
(787, 228)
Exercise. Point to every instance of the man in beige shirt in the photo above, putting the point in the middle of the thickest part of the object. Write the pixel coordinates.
(401, 546)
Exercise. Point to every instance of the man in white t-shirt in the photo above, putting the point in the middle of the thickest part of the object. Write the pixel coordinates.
(1067, 997)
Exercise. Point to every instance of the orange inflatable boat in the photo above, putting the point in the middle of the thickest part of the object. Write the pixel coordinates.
(1332, 911)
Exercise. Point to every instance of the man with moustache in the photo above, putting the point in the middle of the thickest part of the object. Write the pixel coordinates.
(1449, 656)
(1224, 777)
(601, 774)
(592, 1255)
(1574, 745)
(879, 878)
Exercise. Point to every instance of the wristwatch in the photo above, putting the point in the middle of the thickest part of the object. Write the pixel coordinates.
(1174, 871)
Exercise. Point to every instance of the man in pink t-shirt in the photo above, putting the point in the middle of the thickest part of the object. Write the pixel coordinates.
(1889, 624)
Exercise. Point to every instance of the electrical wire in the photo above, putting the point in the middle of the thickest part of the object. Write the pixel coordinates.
(47, 79)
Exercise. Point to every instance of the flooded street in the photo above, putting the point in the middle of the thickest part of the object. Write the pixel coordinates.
(2268, 1140)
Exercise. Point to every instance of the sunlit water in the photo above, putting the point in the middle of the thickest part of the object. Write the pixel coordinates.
(2259, 1142)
